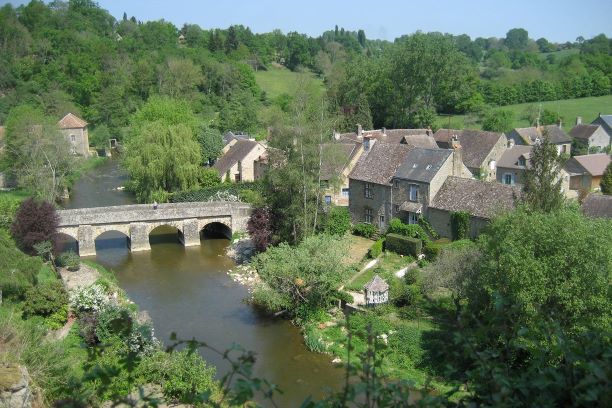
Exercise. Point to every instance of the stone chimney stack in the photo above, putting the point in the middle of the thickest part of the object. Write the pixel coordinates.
(510, 143)
(359, 130)
(457, 156)
(579, 120)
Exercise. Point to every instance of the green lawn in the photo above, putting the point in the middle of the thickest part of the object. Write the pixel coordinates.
(388, 264)
(279, 80)
(569, 109)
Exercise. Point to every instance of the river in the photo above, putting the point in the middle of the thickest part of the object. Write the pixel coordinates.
(188, 291)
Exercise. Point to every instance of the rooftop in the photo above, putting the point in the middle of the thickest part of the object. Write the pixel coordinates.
(71, 121)
(235, 154)
(583, 132)
(475, 144)
(511, 157)
(381, 163)
(594, 164)
(554, 133)
(335, 157)
(377, 284)
(480, 198)
(422, 164)
(414, 137)
(597, 205)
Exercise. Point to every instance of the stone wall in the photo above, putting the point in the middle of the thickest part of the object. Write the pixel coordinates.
(379, 203)
(440, 222)
(80, 145)
(495, 154)
(15, 391)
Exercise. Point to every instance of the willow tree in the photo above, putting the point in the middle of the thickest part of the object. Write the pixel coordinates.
(163, 154)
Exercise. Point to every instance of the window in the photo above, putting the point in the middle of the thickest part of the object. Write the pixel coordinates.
(368, 190)
(509, 179)
(381, 220)
(237, 177)
(345, 192)
(521, 161)
(327, 199)
(368, 215)
(73, 138)
(413, 218)
(414, 192)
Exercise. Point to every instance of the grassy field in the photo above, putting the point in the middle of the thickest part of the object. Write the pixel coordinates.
(569, 109)
(279, 80)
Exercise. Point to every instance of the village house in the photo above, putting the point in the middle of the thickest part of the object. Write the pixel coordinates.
(597, 206)
(230, 138)
(605, 121)
(481, 150)
(414, 137)
(593, 137)
(338, 160)
(483, 200)
(531, 135)
(399, 180)
(586, 171)
(75, 132)
(238, 160)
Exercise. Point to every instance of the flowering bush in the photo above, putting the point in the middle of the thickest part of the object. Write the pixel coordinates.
(89, 299)
(224, 196)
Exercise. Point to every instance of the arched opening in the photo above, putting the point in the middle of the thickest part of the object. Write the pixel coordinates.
(65, 243)
(216, 230)
(112, 240)
(165, 234)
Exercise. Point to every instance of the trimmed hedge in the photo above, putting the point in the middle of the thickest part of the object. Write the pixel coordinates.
(205, 194)
(365, 230)
(403, 245)
(396, 226)
(376, 249)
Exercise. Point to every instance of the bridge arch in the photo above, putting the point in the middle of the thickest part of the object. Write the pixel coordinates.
(215, 230)
(112, 239)
(64, 242)
(164, 233)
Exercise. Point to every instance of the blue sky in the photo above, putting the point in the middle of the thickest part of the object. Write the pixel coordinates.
(559, 21)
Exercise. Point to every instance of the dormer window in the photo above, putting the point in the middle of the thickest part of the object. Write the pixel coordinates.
(428, 167)
(521, 161)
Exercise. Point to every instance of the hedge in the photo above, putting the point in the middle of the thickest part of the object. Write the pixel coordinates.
(376, 249)
(403, 245)
(365, 230)
(206, 193)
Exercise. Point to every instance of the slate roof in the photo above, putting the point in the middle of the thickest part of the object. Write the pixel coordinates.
(554, 133)
(422, 164)
(594, 164)
(71, 121)
(475, 144)
(480, 198)
(597, 205)
(335, 157)
(605, 121)
(414, 137)
(381, 163)
(509, 158)
(229, 136)
(583, 132)
(377, 284)
(235, 154)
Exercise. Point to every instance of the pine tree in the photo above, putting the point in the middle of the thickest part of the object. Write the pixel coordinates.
(542, 180)
(606, 180)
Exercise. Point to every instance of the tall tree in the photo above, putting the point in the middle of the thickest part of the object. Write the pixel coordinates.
(543, 179)
(606, 180)
(516, 39)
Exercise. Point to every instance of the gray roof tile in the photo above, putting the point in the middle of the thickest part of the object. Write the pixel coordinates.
(475, 144)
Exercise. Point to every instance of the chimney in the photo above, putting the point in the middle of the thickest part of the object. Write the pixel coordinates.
(428, 131)
(359, 130)
(384, 131)
(510, 143)
(457, 156)
(578, 120)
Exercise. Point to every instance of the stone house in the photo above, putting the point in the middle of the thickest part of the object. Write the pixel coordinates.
(481, 150)
(483, 200)
(230, 138)
(597, 206)
(338, 160)
(586, 171)
(398, 180)
(531, 135)
(593, 137)
(238, 160)
(74, 130)
(414, 137)
(376, 291)
(605, 121)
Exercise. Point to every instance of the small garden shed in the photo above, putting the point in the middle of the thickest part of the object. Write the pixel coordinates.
(376, 291)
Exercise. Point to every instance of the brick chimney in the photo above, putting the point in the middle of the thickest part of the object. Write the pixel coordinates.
(578, 120)
(457, 156)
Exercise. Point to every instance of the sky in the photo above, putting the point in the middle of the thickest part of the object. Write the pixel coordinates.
(556, 20)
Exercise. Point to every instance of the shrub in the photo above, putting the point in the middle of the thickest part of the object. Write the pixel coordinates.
(69, 260)
(424, 222)
(8, 208)
(252, 197)
(89, 299)
(432, 250)
(376, 249)
(403, 245)
(45, 299)
(365, 230)
(337, 221)
(460, 224)
(17, 270)
(34, 222)
(88, 322)
(113, 321)
(259, 227)
(396, 226)
(58, 318)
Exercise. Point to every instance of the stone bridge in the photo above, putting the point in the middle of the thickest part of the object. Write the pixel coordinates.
(137, 222)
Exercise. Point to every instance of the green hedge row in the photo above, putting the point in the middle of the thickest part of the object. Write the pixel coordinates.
(403, 245)
(206, 193)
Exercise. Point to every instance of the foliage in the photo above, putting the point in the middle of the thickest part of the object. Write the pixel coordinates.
(424, 222)
(252, 197)
(17, 270)
(34, 222)
(45, 299)
(337, 221)
(88, 299)
(542, 189)
(497, 120)
(69, 260)
(403, 245)
(9, 203)
(606, 180)
(365, 230)
(376, 249)
(396, 226)
(99, 137)
(460, 225)
(206, 194)
(211, 144)
(306, 276)
(260, 229)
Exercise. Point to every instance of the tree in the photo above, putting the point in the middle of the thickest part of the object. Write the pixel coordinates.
(361, 37)
(542, 188)
(606, 180)
(37, 152)
(497, 120)
(259, 228)
(211, 144)
(179, 78)
(100, 136)
(35, 222)
(516, 39)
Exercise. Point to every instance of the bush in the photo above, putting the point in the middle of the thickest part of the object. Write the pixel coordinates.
(403, 245)
(45, 299)
(460, 225)
(424, 222)
(17, 270)
(113, 322)
(69, 260)
(206, 194)
(337, 221)
(8, 208)
(432, 250)
(252, 197)
(376, 249)
(34, 222)
(57, 319)
(90, 299)
(259, 227)
(365, 230)
(88, 321)
(396, 226)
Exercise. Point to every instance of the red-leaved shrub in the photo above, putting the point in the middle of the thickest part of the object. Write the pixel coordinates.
(34, 222)
(260, 229)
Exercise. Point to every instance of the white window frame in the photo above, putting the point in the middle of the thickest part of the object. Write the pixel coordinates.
(345, 192)
(368, 216)
(367, 190)
(413, 218)
(413, 188)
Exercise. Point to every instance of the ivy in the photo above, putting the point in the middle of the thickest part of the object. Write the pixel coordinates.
(460, 224)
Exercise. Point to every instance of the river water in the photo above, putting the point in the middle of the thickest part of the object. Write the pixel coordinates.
(188, 291)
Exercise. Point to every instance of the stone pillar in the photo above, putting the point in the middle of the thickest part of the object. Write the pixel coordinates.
(85, 238)
(191, 233)
(139, 237)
